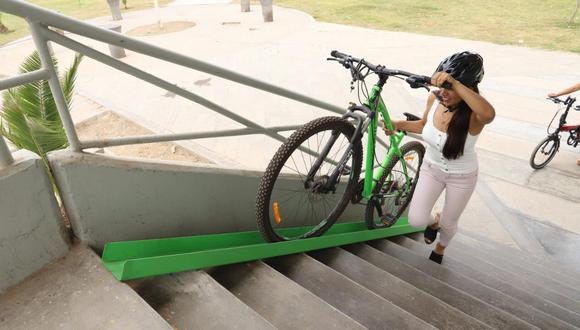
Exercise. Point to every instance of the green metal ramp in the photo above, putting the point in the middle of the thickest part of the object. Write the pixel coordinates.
(137, 259)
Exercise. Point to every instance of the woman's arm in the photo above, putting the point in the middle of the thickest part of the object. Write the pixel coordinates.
(483, 110)
(568, 90)
(414, 126)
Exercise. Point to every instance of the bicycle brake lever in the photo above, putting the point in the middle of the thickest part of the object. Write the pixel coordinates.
(417, 85)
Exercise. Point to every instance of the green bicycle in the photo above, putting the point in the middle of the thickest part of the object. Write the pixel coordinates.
(315, 173)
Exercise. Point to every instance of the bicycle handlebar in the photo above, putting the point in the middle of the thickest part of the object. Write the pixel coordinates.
(414, 80)
(569, 100)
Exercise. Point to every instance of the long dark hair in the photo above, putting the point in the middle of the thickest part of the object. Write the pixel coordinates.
(458, 129)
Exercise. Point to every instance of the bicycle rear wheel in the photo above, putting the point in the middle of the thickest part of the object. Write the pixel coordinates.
(288, 205)
(545, 152)
(391, 196)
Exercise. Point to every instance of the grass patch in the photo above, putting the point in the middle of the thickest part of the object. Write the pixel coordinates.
(81, 9)
(530, 23)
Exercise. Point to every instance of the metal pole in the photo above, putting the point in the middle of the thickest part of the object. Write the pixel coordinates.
(54, 83)
(121, 66)
(5, 154)
(24, 78)
(180, 136)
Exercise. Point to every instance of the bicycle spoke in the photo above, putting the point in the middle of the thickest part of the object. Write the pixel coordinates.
(309, 207)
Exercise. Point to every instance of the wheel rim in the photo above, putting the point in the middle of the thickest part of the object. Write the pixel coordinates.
(393, 195)
(299, 208)
(545, 152)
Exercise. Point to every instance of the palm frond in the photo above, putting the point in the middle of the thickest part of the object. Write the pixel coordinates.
(69, 78)
(30, 118)
(14, 126)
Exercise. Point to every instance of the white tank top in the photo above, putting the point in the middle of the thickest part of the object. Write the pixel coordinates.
(466, 163)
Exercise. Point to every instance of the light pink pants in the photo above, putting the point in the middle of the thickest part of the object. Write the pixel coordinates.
(458, 190)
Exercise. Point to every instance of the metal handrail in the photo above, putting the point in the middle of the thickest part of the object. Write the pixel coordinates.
(40, 19)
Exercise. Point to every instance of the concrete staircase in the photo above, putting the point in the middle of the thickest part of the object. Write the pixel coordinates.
(384, 284)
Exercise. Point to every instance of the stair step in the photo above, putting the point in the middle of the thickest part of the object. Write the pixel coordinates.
(544, 266)
(559, 317)
(76, 292)
(447, 293)
(194, 300)
(280, 300)
(397, 291)
(478, 290)
(484, 264)
(361, 304)
(524, 271)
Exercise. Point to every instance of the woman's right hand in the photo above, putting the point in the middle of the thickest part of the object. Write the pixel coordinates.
(395, 127)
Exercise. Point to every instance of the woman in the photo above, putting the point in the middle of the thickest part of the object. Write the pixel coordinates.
(450, 126)
(566, 91)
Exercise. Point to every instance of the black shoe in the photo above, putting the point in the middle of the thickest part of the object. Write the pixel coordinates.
(436, 257)
(430, 234)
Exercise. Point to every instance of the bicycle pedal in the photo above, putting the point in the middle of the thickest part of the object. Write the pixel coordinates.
(388, 220)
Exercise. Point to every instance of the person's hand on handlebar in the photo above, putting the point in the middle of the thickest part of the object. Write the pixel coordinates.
(553, 95)
(441, 77)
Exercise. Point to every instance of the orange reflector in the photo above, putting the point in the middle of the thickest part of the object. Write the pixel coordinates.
(409, 158)
(277, 213)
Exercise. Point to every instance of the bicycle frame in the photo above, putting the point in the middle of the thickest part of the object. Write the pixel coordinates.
(376, 104)
(372, 106)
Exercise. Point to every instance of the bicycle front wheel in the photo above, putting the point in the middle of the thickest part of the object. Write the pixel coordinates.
(296, 198)
(544, 152)
(392, 195)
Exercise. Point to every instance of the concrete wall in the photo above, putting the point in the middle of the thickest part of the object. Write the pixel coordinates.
(113, 199)
(31, 226)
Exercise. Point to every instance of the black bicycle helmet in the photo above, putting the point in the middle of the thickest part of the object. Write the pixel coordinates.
(466, 67)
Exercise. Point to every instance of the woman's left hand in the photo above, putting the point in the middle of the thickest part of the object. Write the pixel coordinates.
(440, 77)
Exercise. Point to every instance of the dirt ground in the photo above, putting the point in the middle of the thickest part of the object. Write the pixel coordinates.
(109, 124)
(156, 29)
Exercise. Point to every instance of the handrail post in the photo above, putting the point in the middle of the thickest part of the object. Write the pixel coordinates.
(5, 154)
(54, 83)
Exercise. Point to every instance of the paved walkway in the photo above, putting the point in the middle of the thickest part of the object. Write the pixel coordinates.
(291, 52)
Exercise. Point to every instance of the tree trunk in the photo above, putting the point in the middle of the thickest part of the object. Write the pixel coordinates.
(115, 9)
(245, 5)
(267, 10)
(4, 29)
(575, 12)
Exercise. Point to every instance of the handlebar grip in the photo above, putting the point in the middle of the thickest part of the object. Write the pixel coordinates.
(411, 117)
(426, 79)
(555, 100)
(417, 79)
(337, 54)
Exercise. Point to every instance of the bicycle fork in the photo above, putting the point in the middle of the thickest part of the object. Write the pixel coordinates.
(333, 179)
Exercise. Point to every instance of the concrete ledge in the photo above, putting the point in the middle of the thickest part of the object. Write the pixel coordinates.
(76, 292)
(31, 226)
(115, 199)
